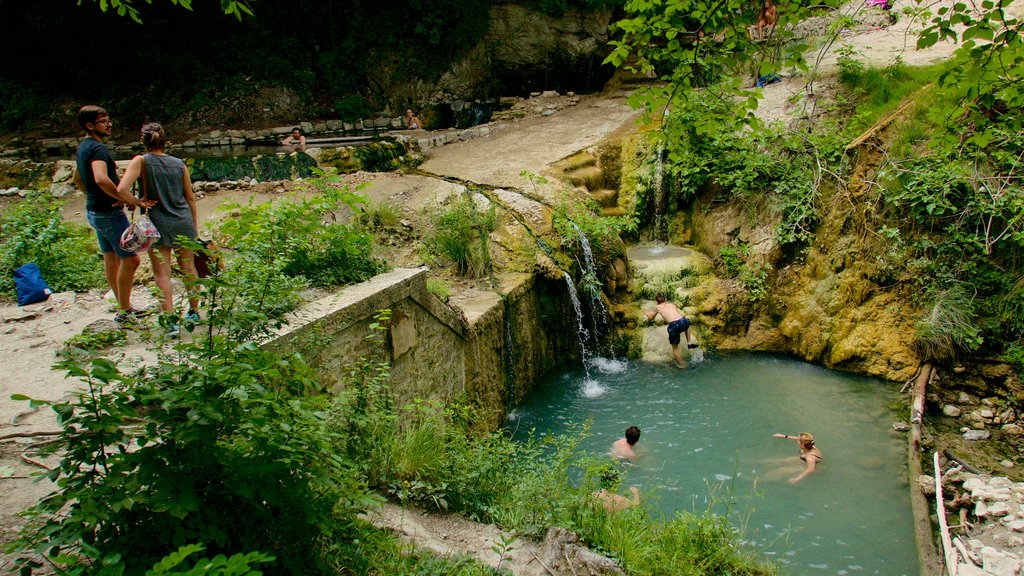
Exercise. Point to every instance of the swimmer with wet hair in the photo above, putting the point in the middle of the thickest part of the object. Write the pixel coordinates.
(809, 453)
(623, 447)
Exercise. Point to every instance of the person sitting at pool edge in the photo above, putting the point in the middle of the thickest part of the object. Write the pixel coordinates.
(296, 139)
(809, 453)
(412, 121)
(623, 447)
(677, 324)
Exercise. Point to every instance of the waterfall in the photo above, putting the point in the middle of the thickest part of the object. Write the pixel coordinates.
(659, 190)
(598, 312)
(581, 330)
(591, 388)
(509, 354)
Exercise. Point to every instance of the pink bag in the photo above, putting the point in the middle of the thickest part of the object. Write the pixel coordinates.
(140, 235)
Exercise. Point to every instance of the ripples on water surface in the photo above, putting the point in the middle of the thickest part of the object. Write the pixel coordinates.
(708, 430)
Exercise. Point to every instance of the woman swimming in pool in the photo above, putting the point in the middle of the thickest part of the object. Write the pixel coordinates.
(809, 453)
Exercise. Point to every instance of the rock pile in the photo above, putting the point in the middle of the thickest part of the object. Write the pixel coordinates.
(978, 417)
(990, 534)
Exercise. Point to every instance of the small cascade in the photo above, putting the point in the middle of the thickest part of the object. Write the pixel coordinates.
(509, 353)
(659, 191)
(598, 311)
(590, 388)
(581, 331)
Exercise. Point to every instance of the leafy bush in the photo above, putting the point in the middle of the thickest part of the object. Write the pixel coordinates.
(734, 257)
(460, 235)
(352, 108)
(23, 104)
(33, 230)
(90, 341)
(180, 452)
(572, 219)
(290, 240)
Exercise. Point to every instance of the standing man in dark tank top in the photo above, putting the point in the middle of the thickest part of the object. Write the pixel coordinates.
(104, 206)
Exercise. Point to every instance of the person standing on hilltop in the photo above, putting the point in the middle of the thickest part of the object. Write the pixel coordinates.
(104, 207)
(677, 324)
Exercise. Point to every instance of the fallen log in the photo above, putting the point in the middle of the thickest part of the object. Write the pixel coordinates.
(928, 558)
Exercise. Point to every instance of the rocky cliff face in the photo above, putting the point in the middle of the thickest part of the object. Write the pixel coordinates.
(523, 51)
(823, 305)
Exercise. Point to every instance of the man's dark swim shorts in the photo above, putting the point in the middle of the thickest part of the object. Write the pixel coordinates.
(676, 328)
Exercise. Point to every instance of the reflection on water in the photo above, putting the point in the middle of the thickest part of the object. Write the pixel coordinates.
(707, 441)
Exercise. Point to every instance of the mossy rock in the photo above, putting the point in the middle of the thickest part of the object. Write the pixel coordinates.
(341, 159)
(383, 156)
(263, 168)
(26, 174)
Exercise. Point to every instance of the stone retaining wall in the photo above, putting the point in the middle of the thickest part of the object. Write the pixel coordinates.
(491, 354)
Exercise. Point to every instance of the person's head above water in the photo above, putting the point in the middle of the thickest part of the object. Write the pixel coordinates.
(296, 132)
(632, 435)
(806, 440)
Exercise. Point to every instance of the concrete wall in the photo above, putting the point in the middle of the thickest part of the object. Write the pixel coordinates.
(491, 352)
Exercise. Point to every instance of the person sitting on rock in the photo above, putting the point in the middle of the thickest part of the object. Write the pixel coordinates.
(769, 16)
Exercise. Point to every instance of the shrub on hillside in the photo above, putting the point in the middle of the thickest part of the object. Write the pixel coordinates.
(33, 230)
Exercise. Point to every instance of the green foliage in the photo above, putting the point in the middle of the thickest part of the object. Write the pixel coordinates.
(460, 235)
(1013, 354)
(571, 219)
(24, 103)
(734, 257)
(379, 216)
(263, 168)
(949, 329)
(90, 341)
(352, 108)
(178, 453)
(33, 230)
(292, 240)
(985, 71)
(127, 7)
(689, 44)
(769, 164)
(383, 156)
(754, 276)
(439, 288)
(237, 565)
(850, 68)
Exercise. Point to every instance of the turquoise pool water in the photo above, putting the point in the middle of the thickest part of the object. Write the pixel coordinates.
(707, 439)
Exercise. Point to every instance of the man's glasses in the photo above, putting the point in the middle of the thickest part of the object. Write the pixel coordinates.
(104, 121)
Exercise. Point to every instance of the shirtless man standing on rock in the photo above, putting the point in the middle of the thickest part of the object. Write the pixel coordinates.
(677, 324)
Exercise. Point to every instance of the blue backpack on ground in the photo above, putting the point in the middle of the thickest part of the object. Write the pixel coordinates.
(28, 280)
